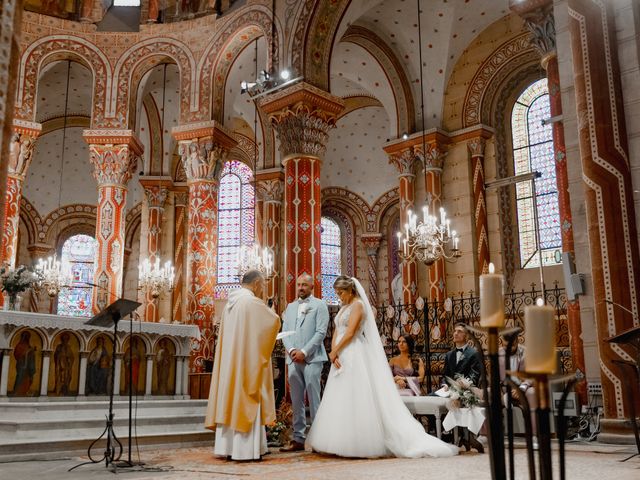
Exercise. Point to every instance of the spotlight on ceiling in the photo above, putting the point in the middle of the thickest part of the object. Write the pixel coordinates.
(405, 136)
(285, 74)
(246, 86)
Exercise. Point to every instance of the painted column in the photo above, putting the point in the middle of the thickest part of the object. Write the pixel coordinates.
(21, 151)
(476, 148)
(44, 377)
(82, 380)
(371, 242)
(302, 116)
(203, 148)
(155, 191)
(403, 157)
(149, 378)
(610, 214)
(114, 155)
(4, 374)
(269, 188)
(180, 226)
(540, 21)
(179, 366)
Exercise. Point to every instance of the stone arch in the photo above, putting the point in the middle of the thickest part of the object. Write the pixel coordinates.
(31, 220)
(135, 62)
(382, 205)
(132, 223)
(67, 217)
(245, 150)
(347, 201)
(219, 55)
(62, 47)
(388, 61)
(153, 113)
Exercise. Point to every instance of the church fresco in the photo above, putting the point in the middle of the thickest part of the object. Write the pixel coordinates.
(25, 364)
(65, 366)
(99, 365)
(56, 8)
(164, 371)
(134, 366)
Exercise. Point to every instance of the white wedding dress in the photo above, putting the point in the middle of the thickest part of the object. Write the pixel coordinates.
(361, 413)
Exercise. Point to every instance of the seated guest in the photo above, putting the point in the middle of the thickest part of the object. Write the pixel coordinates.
(408, 378)
(516, 364)
(463, 359)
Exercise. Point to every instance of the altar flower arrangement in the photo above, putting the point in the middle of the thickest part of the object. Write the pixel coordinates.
(15, 281)
(279, 432)
(462, 393)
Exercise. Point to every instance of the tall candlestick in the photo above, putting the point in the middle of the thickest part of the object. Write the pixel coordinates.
(491, 298)
(540, 338)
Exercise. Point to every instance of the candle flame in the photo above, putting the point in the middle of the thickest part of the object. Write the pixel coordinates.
(492, 269)
(540, 302)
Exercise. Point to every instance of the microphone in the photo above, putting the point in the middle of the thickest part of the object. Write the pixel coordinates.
(619, 306)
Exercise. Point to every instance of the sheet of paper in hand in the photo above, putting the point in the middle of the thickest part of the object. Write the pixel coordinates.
(442, 393)
(282, 335)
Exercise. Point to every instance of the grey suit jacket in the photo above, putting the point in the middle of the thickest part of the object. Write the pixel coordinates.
(310, 331)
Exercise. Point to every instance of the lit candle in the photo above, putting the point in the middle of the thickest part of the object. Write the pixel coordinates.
(404, 246)
(540, 338)
(443, 215)
(425, 214)
(491, 298)
(406, 227)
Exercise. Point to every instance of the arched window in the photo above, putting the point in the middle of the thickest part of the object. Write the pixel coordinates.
(533, 151)
(78, 252)
(331, 258)
(236, 222)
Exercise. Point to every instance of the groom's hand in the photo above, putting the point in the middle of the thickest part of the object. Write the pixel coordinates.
(297, 356)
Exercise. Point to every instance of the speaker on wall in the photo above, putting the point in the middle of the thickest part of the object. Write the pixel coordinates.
(573, 282)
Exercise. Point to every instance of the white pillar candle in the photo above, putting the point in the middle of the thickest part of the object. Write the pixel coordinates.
(491, 299)
(540, 338)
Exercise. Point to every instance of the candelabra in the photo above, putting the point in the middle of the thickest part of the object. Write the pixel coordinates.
(54, 275)
(428, 241)
(154, 279)
(252, 257)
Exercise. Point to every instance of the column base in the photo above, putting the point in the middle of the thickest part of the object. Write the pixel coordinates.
(616, 431)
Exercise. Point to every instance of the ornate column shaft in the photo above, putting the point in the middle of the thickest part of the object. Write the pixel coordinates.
(180, 226)
(270, 190)
(44, 376)
(21, 151)
(371, 242)
(155, 192)
(302, 116)
(610, 214)
(540, 21)
(203, 147)
(114, 155)
(476, 148)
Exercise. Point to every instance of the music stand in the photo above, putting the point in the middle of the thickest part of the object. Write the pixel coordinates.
(107, 317)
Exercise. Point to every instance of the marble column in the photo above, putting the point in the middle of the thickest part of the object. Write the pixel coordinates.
(179, 367)
(371, 242)
(539, 19)
(302, 116)
(116, 374)
(44, 376)
(82, 380)
(149, 378)
(155, 191)
(21, 151)
(114, 155)
(180, 231)
(203, 147)
(403, 157)
(610, 213)
(269, 186)
(4, 373)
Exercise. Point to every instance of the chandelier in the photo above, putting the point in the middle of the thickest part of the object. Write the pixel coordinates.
(252, 257)
(155, 280)
(54, 275)
(429, 240)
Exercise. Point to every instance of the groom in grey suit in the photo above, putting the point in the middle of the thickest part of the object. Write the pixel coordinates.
(308, 317)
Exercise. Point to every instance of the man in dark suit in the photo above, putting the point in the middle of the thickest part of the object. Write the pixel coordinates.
(463, 359)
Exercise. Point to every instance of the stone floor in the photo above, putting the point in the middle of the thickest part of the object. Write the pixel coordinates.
(584, 461)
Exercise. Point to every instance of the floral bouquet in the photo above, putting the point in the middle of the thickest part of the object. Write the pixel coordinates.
(15, 281)
(462, 393)
(279, 431)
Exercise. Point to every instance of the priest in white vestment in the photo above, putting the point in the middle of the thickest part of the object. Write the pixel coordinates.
(241, 399)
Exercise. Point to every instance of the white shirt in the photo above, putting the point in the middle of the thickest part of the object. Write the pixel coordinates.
(303, 308)
(460, 354)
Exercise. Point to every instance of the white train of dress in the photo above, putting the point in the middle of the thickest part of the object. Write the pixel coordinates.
(361, 413)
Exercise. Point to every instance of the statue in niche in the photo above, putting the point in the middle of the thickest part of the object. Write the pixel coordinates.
(63, 362)
(164, 359)
(25, 356)
(98, 365)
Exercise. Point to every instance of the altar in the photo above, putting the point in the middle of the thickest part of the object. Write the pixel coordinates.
(44, 356)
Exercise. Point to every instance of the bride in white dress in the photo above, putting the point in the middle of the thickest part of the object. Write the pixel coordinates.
(361, 413)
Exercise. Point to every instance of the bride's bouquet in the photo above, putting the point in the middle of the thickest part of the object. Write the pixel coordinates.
(462, 393)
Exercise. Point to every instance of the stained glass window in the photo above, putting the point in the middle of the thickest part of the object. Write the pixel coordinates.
(533, 151)
(236, 222)
(78, 252)
(331, 261)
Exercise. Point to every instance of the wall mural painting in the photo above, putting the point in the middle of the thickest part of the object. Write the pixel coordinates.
(99, 366)
(134, 366)
(64, 369)
(25, 364)
(67, 9)
(164, 372)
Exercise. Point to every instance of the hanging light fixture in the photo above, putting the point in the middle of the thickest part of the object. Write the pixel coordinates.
(431, 239)
(154, 279)
(55, 274)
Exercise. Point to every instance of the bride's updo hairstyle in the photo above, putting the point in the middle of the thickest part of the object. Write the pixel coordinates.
(345, 283)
